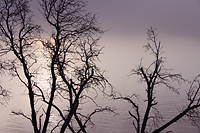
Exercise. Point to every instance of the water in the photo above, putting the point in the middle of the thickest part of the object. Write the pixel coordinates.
(104, 122)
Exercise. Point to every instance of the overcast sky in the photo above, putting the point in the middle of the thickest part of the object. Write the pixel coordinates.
(173, 17)
(178, 27)
(177, 23)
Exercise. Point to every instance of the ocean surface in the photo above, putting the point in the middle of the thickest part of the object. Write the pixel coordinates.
(168, 104)
(104, 122)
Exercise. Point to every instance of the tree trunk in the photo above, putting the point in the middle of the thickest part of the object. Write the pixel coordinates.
(146, 116)
(67, 120)
(52, 94)
(33, 114)
(175, 119)
(79, 123)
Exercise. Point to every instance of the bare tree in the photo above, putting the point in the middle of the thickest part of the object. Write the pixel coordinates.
(75, 50)
(71, 53)
(155, 76)
(4, 93)
(191, 110)
(17, 34)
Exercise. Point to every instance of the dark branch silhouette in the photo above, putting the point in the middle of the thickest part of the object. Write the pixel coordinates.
(155, 76)
(71, 53)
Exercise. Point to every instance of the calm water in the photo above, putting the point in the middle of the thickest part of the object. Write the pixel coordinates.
(104, 122)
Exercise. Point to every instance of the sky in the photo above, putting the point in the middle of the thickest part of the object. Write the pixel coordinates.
(178, 27)
(180, 17)
(126, 21)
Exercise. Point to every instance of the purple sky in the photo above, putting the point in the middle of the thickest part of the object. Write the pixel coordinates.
(173, 18)
(178, 28)
(177, 23)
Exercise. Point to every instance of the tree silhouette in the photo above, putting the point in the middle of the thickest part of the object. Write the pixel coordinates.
(4, 93)
(17, 34)
(155, 76)
(71, 53)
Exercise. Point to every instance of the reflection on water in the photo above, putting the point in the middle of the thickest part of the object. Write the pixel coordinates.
(104, 122)
(13, 124)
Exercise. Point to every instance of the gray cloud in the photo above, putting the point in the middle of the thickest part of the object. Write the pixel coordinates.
(176, 18)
